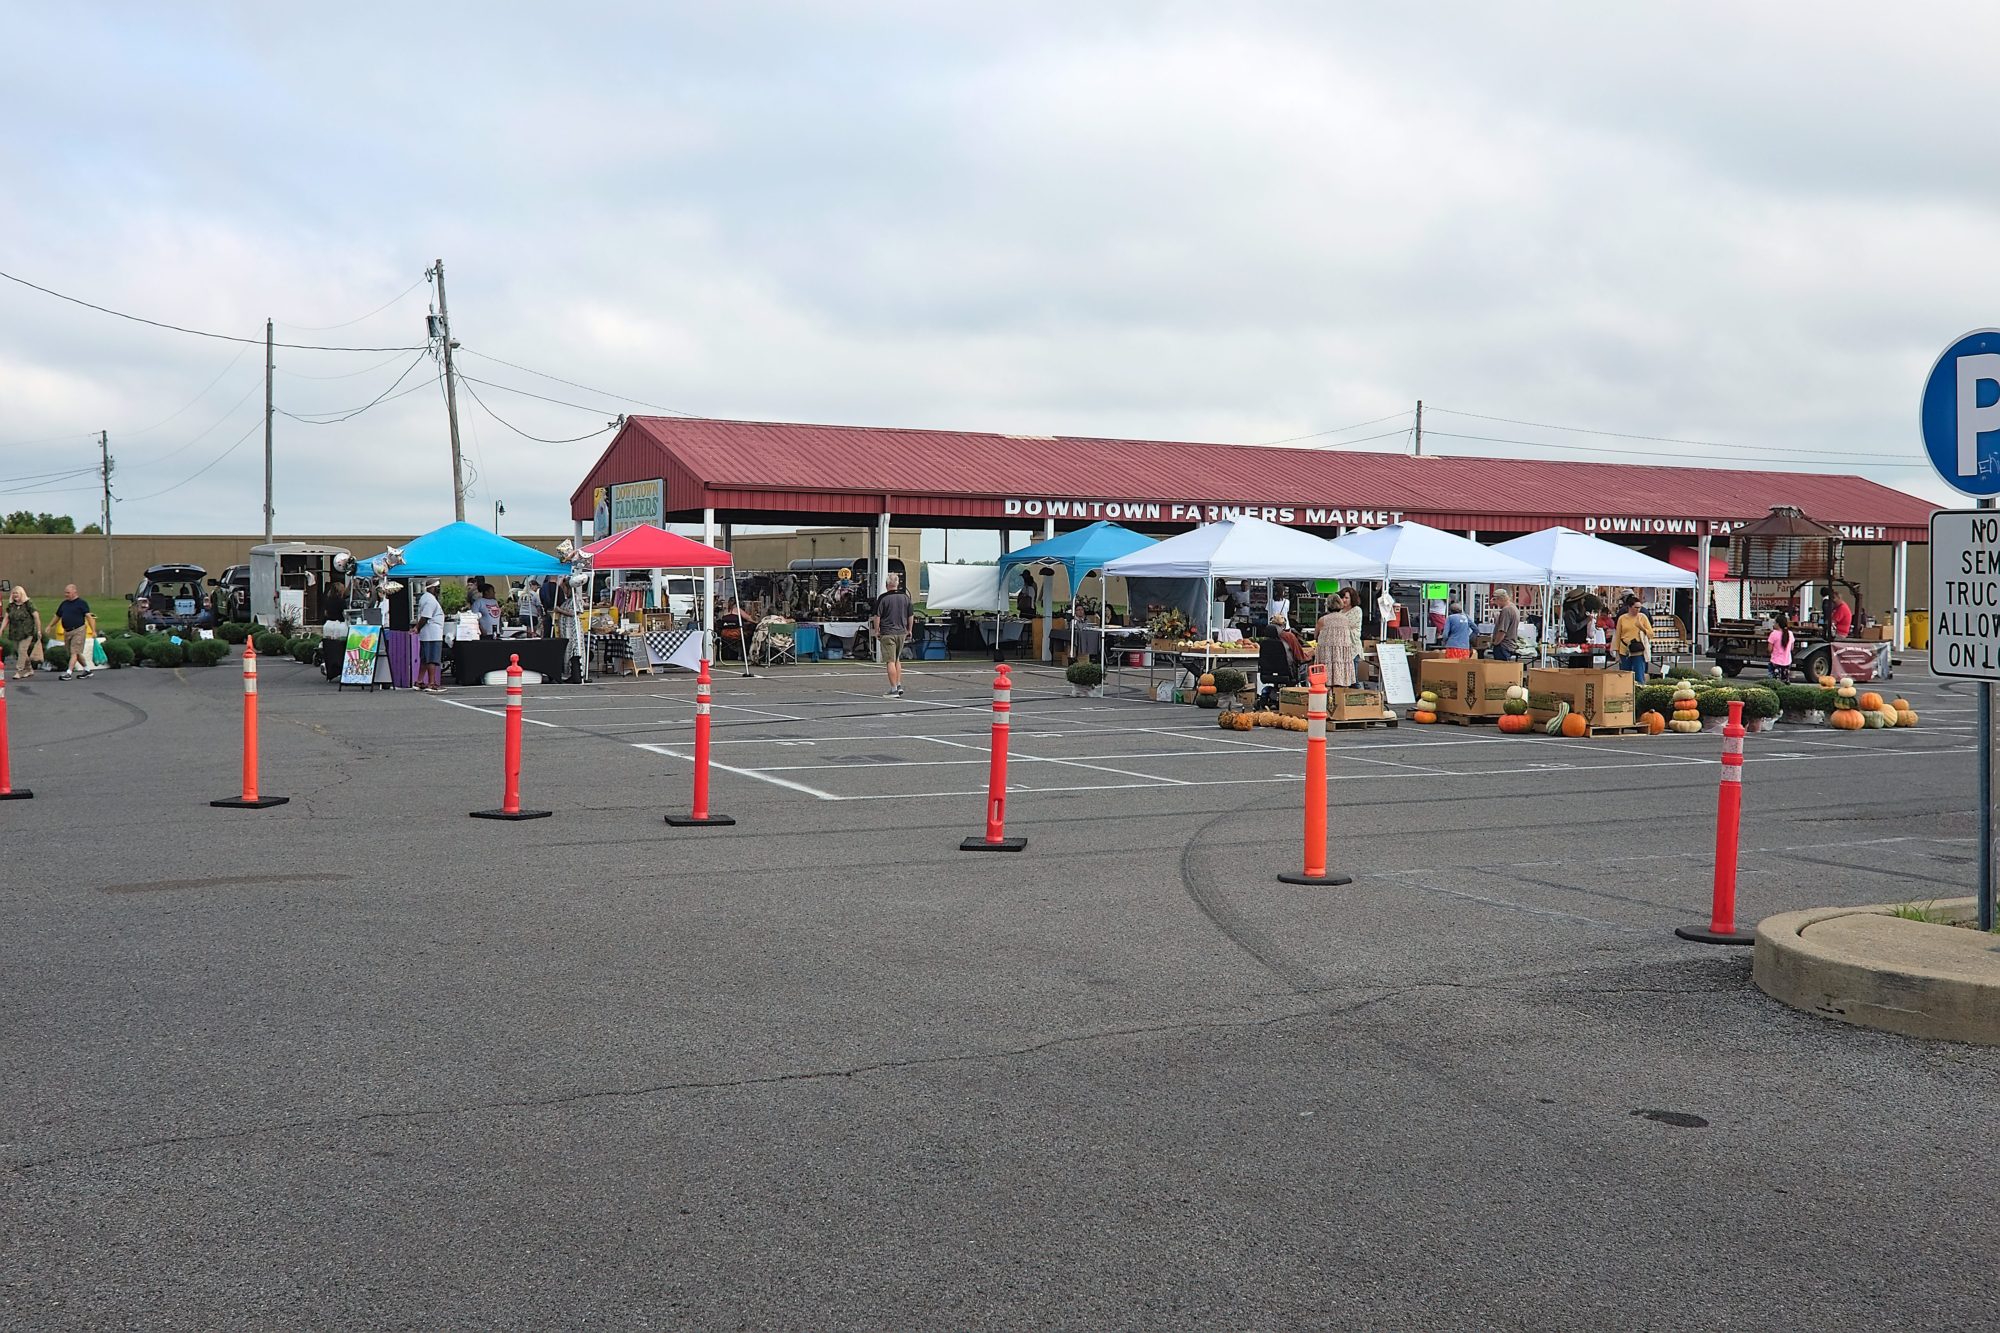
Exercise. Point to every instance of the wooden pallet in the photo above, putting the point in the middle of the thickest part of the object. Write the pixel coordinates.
(1468, 719)
(1617, 731)
(1356, 724)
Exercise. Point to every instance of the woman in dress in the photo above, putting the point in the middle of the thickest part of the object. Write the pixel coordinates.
(1340, 639)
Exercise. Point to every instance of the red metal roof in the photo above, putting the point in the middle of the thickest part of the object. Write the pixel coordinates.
(776, 469)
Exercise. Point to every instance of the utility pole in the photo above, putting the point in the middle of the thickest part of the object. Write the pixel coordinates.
(104, 470)
(450, 397)
(269, 412)
(498, 510)
(1420, 428)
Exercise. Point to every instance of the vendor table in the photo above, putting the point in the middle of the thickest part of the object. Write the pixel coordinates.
(1009, 630)
(645, 651)
(1090, 640)
(472, 659)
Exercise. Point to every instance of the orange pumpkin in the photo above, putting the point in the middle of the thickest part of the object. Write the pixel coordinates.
(1574, 726)
(1655, 724)
(1871, 702)
(1846, 719)
(1515, 724)
(1422, 715)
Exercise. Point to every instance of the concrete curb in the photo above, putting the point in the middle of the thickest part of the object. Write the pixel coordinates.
(1862, 966)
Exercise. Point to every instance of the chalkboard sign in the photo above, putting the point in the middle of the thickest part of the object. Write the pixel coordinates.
(1394, 661)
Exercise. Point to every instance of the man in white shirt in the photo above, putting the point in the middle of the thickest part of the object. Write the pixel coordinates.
(429, 629)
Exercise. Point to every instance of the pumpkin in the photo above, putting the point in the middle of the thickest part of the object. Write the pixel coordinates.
(1424, 715)
(1887, 714)
(1654, 723)
(1204, 691)
(1516, 702)
(1576, 726)
(1905, 716)
(1826, 682)
(1871, 701)
(1846, 718)
(1555, 727)
(1515, 724)
(1872, 721)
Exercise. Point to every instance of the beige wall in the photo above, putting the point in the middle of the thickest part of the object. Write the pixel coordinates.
(773, 552)
(45, 564)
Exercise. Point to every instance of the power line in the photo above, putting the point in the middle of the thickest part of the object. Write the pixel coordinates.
(344, 415)
(575, 439)
(543, 374)
(1341, 430)
(329, 328)
(198, 333)
(46, 476)
(254, 427)
(343, 375)
(467, 379)
(1627, 435)
(1342, 444)
(228, 412)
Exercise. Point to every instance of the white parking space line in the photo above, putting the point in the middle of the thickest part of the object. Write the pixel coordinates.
(499, 712)
(745, 772)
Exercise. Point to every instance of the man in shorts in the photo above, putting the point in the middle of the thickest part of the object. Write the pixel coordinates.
(891, 627)
(430, 640)
(73, 614)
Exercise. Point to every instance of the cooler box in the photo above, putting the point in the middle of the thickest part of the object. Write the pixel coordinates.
(1605, 698)
(1469, 686)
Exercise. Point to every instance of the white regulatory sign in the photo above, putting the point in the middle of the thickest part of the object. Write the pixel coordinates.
(1965, 593)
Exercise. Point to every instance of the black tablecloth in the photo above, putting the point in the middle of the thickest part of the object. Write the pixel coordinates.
(471, 659)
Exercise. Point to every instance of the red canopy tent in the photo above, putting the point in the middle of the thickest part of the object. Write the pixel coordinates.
(649, 547)
(1688, 558)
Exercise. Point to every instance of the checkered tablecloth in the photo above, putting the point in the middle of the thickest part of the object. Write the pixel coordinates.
(674, 647)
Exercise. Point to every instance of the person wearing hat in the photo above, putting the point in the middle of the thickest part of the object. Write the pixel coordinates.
(429, 629)
(1633, 637)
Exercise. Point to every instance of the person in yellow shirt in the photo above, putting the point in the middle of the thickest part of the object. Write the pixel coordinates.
(1633, 637)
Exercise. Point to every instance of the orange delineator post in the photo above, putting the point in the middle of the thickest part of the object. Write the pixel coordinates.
(510, 787)
(700, 814)
(1315, 871)
(8, 792)
(1722, 927)
(996, 839)
(250, 800)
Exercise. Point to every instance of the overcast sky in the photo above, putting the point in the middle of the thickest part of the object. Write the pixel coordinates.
(1750, 224)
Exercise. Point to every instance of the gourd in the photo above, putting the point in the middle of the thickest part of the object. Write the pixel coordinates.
(1871, 701)
(1905, 715)
(1845, 716)
(1687, 709)
(1555, 727)
(1576, 726)
(1204, 690)
(1654, 723)
(1515, 704)
(1871, 719)
(1515, 724)
(1886, 715)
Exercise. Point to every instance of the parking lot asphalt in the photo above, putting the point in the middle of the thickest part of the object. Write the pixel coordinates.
(361, 1061)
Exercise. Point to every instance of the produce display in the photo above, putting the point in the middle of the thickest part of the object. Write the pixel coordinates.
(1245, 720)
(1846, 715)
(1905, 715)
(1566, 723)
(1204, 690)
(1513, 719)
(1427, 707)
(1687, 709)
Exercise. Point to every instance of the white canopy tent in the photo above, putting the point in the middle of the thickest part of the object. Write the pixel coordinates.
(1414, 551)
(1576, 559)
(1243, 548)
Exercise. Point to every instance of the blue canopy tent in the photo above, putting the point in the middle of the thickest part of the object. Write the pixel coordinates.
(460, 549)
(1080, 552)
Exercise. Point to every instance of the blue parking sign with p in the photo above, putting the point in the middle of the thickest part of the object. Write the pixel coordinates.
(1961, 414)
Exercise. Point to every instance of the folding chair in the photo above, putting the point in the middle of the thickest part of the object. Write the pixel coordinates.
(780, 647)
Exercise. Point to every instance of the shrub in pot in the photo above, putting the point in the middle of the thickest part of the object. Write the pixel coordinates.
(1084, 675)
(168, 654)
(1229, 681)
(270, 643)
(206, 652)
(118, 652)
(57, 656)
(234, 631)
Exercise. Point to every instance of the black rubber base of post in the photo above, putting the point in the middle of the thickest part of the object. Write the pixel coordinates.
(689, 821)
(1323, 881)
(1703, 935)
(261, 803)
(17, 794)
(510, 814)
(981, 845)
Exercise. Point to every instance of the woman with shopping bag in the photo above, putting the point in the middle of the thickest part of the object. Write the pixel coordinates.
(23, 632)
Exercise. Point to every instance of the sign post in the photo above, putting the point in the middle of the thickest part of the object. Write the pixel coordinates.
(1960, 420)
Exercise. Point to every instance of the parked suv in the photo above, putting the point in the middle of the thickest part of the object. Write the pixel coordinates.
(169, 597)
(231, 598)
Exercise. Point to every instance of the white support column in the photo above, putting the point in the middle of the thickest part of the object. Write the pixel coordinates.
(1047, 589)
(1901, 633)
(1702, 595)
(708, 589)
(576, 531)
(878, 565)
